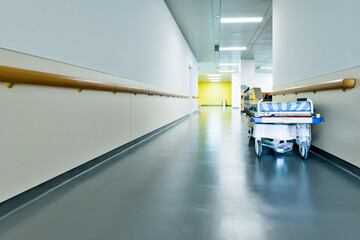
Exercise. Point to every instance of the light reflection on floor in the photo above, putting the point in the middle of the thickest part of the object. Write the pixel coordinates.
(198, 180)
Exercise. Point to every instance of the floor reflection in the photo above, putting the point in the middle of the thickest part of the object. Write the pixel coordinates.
(254, 197)
(198, 180)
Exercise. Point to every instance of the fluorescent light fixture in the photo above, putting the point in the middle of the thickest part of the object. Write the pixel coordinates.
(232, 48)
(214, 75)
(269, 68)
(214, 80)
(241, 20)
(228, 64)
(226, 71)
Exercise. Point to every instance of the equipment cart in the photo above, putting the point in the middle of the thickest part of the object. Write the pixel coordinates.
(279, 125)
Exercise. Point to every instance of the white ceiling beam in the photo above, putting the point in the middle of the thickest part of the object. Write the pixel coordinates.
(249, 53)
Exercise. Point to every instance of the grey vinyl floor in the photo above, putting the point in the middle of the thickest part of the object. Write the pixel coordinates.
(198, 180)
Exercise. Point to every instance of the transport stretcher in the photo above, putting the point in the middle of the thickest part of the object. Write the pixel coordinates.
(279, 125)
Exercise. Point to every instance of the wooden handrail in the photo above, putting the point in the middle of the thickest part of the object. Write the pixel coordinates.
(329, 85)
(11, 75)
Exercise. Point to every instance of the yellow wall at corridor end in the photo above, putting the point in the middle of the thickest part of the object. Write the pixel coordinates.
(214, 93)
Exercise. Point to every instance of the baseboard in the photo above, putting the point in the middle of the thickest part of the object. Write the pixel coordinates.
(344, 165)
(16, 202)
(196, 112)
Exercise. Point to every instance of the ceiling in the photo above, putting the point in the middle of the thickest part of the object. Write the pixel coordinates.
(199, 21)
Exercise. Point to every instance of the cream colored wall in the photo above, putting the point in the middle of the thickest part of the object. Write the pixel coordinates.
(150, 113)
(46, 131)
(340, 134)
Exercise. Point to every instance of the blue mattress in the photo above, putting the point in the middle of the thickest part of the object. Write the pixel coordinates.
(285, 107)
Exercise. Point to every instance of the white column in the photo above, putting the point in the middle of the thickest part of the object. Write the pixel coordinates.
(193, 89)
(247, 73)
(190, 91)
(235, 91)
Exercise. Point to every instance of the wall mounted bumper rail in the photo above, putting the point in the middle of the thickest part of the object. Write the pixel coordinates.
(329, 85)
(11, 76)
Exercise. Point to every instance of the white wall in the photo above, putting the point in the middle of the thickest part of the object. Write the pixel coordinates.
(264, 81)
(251, 79)
(193, 79)
(235, 90)
(316, 41)
(46, 131)
(135, 39)
(247, 72)
(313, 38)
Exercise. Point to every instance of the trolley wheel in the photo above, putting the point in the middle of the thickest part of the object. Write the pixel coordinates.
(258, 148)
(250, 132)
(303, 151)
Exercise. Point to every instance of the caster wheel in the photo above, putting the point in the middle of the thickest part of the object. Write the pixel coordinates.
(250, 132)
(304, 150)
(258, 148)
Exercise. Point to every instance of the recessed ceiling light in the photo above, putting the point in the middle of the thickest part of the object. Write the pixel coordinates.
(214, 75)
(214, 80)
(226, 71)
(269, 68)
(241, 20)
(228, 64)
(232, 48)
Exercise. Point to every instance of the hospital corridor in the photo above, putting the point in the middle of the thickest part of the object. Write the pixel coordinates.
(179, 120)
(197, 180)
